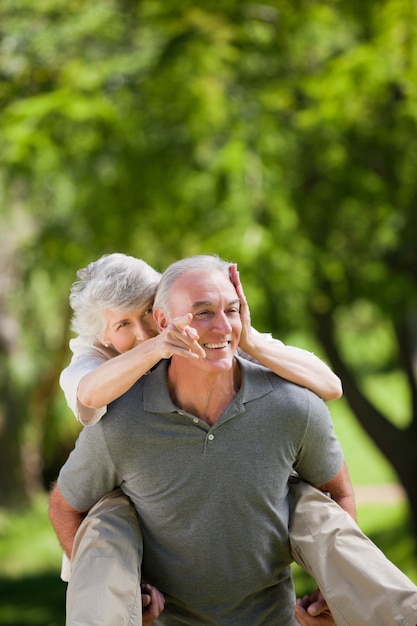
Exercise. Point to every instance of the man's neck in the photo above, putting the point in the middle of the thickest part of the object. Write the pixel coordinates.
(203, 394)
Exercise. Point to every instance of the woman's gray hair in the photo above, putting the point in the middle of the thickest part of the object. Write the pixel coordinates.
(200, 262)
(115, 282)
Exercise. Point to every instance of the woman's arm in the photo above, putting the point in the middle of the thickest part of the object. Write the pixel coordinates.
(296, 365)
(115, 376)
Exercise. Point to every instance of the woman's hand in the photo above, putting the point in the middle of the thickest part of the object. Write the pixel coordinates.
(180, 338)
(246, 335)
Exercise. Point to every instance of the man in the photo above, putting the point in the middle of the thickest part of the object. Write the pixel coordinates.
(204, 450)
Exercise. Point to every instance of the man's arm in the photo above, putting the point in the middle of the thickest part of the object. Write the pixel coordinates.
(341, 491)
(64, 518)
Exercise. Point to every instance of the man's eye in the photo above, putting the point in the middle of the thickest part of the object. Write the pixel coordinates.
(202, 313)
(148, 311)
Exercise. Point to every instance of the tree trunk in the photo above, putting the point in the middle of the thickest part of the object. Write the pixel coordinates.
(12, 480)
(397, 445)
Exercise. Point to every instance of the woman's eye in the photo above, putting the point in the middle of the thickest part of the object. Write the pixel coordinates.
(148, 311)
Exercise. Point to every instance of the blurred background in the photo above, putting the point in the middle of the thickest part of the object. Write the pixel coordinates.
(280, 135)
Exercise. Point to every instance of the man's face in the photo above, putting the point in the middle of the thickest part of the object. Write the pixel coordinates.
(213, 301)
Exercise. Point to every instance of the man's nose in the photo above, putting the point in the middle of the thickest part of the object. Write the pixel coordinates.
(222, 323)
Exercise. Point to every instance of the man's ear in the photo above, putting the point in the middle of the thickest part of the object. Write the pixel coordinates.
(160, 319)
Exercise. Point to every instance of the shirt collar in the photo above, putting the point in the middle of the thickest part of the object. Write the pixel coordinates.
(255, 384)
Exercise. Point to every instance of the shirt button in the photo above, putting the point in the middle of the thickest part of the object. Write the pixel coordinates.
(211, 437)
(195, 420)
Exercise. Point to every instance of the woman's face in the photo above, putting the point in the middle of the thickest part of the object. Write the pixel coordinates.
(125, 330)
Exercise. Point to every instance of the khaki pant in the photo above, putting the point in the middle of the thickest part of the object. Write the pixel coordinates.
(104, 585)
(361, 586)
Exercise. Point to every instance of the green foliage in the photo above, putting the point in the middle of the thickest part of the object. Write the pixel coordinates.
(20, 554)
(281, 136)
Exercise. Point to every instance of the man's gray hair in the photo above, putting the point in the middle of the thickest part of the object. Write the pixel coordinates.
(200, 262)
(115, 282)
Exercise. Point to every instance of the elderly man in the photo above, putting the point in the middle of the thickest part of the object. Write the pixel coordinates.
(204, 450)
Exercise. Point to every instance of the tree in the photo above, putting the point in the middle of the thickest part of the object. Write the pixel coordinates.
(280, 135)
(352, 186)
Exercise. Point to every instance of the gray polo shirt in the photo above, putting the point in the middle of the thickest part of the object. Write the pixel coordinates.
(212, 500)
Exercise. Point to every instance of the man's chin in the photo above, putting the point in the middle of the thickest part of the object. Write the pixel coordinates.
(222, 362)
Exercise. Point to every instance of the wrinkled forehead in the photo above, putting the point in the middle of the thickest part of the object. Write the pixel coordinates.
(200, 286)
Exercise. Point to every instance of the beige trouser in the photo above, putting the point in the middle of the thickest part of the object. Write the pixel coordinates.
(361, 586)
(104, 585)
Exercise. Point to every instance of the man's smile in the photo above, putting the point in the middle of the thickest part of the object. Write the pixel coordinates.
(216, 346)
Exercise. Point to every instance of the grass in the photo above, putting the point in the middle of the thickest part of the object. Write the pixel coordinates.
(31, 592)
(366, 463)
(36, 600)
